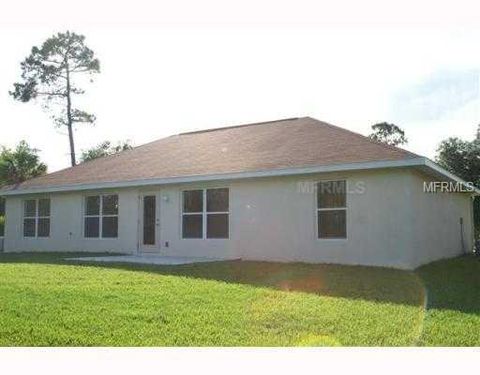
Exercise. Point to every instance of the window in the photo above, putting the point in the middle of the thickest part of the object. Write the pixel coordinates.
(192, 223)
(217, 213)
(101, 216)
(332, 209)
(205, 213)
(36, 217)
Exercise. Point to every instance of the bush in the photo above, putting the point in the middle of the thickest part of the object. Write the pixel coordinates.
(2, 225)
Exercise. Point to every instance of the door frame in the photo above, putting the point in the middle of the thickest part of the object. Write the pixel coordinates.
(149, 249)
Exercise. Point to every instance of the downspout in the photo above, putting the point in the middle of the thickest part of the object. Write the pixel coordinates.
(462, 240)
(2, 236)
(474, 247)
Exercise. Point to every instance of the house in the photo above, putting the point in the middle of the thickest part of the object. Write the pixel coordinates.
(289, 190)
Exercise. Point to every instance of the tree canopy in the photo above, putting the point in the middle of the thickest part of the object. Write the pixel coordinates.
(20, 164)
(389, 134)
(104, 149)
(462, 158)
(53, 72)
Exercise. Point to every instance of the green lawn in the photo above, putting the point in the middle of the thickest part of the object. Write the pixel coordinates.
(45, 301)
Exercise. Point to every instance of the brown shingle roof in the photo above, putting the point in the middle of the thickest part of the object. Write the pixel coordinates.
(290, 143)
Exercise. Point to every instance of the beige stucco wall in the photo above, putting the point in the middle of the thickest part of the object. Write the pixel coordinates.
(390, 222)
(436, 231)
(281, 223)
(66, 226)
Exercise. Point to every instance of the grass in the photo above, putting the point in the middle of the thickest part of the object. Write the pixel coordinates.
(47, 301)
(453, 309)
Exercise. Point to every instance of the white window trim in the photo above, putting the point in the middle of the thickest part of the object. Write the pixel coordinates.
(317, 210)
(100, 216)
(204, 213)
(36, 218)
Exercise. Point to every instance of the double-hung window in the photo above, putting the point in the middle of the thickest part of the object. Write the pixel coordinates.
(332, 209)
(36, 217)
(101, 216)
(205, 213)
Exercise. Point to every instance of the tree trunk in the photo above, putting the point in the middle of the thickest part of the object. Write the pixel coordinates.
(69, 121)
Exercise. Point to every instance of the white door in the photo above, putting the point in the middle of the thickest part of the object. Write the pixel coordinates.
(149, 231)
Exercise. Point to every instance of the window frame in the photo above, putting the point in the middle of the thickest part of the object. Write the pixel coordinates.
(204, 212)
(317, 210)
(37, 217)
(196, 213)
(100, 216)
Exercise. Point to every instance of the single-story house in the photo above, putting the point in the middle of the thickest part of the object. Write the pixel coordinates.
(289, 190)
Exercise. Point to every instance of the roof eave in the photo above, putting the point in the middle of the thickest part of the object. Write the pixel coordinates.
(410, 162)
(443, 172)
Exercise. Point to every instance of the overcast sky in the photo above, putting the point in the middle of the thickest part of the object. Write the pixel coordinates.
(174, 66)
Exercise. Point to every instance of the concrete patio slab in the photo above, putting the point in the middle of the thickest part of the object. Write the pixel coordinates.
(145, 259)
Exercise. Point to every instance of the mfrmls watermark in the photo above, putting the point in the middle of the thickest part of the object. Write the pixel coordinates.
(448, 187)
(331, 187)
(359, 187)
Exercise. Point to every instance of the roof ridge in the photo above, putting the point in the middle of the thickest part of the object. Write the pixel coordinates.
(384, 145)
(238, 126)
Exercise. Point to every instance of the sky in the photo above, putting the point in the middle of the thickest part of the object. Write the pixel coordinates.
(174, 66)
